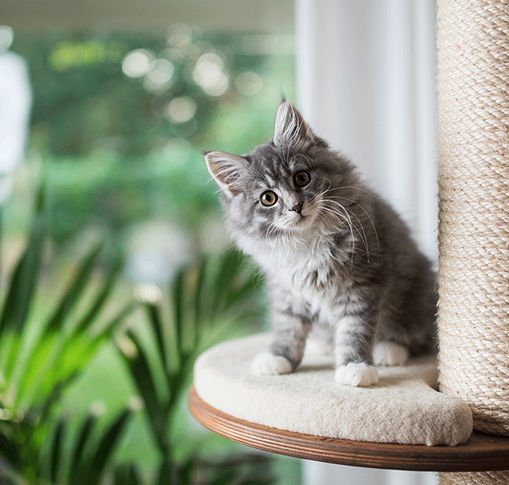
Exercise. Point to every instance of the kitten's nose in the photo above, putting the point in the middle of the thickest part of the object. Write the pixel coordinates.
(297, 208)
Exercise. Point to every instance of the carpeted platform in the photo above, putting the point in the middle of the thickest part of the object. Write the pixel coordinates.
(402, 408)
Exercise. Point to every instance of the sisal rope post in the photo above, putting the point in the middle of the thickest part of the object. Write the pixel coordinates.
(473, 100)
(474, 478)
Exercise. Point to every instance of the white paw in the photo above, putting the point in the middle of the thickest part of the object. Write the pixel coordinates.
(389, 353)
(267, 364)
(356, 375)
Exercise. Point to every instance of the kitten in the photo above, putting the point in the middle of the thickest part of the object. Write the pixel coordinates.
(339, 262)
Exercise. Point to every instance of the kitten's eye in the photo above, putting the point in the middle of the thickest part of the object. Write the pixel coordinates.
(268, 198)
(302, 178)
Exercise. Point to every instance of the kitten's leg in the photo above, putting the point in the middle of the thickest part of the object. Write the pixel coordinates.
(353, 345)
(285, 353)
(389, 353)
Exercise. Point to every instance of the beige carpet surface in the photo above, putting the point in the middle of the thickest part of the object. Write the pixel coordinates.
(402, 408)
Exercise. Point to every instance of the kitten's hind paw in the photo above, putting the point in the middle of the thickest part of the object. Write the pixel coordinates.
(356, 375)
(389, 353)
(267, 364)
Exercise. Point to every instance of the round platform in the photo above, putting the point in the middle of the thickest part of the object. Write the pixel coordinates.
(480, 453)
(402, 408)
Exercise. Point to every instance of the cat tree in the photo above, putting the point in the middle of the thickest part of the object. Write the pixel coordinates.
(473, 100)
(305, 415)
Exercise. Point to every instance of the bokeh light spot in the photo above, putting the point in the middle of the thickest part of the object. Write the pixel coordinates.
(159, 76)
(248, 83)
(137, 63)
(180, 109)
(210, 75)
(179, 35)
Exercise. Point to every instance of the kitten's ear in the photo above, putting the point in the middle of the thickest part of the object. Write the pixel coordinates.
(226, 169)
(290, 128)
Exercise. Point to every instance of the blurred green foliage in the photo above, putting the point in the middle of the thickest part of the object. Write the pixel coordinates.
(41, 354)
(113, 152)
(206, 301)
(50, 436)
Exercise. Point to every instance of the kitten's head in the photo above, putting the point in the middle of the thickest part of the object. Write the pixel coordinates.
(284, 188)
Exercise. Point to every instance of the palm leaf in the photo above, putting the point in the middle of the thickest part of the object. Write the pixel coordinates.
(198, 300)
(10, 300)
(156, 323)
(56, 450)
(144, 379)
(43, 410)
(22, 283)
(30, 272)
(93, 470)
(25, 356)
(53, 326)
(178, 311)
(100, 298)
(22, 392)
(74, 289)
(126, 474)
(82, 440)
(25, 273)
(229, 267)
(107, 329)
(8, 449)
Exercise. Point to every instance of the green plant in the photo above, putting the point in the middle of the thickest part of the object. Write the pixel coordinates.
(63, 455)
(205, 300)
(43, 443)
(40, 357)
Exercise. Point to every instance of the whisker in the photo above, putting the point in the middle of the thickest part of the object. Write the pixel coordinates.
(363, 236)
(365, 239)
(350, 226)
(369, 217)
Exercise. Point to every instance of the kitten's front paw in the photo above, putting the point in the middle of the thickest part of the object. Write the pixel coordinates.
(389, 353)
(356, 375)
(267, 364)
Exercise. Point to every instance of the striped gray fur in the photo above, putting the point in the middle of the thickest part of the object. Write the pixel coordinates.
(340, 264)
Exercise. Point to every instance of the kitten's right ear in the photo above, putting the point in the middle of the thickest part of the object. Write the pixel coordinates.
(290, 128)
(226, 169)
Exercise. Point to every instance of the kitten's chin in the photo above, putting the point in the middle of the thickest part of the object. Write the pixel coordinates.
(303, 225)
(304, 222)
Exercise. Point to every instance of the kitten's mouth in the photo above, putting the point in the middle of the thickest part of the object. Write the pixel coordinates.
(295, 222)
(303, 221)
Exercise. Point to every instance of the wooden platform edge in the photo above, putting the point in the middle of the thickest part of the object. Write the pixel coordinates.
(480, 453)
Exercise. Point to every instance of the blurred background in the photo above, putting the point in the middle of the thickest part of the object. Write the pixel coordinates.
(115, 264)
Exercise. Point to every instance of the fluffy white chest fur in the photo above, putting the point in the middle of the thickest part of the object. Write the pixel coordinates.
(291, 265)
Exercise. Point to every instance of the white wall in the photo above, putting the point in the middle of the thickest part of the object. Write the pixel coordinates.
(365, 78)
(327, 474)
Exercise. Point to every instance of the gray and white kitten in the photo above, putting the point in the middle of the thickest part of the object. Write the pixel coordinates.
(339, 262)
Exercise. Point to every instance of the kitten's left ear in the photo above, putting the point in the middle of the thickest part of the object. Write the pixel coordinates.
(290, 128)
(226, 170)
